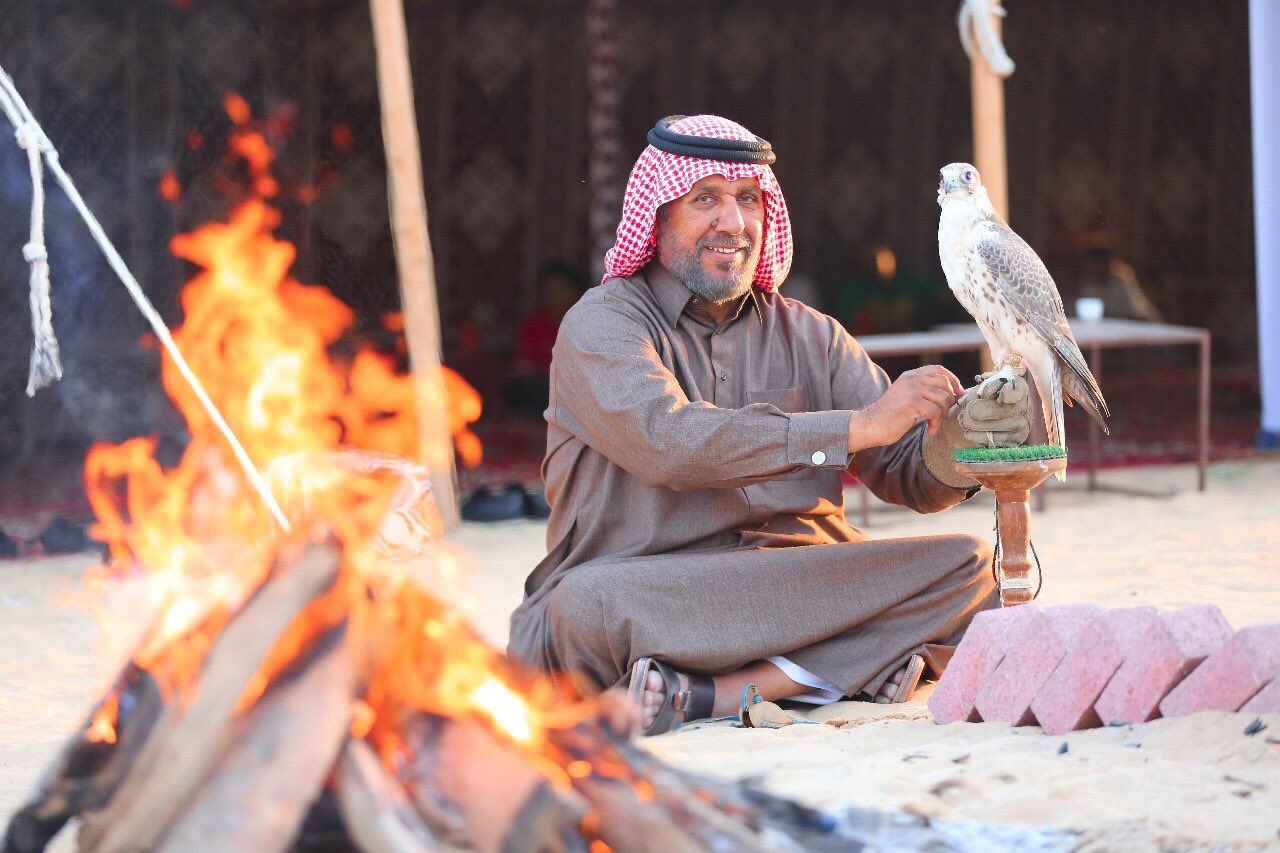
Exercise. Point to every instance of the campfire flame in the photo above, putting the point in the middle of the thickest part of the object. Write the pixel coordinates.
(337, 440)
(102, 728)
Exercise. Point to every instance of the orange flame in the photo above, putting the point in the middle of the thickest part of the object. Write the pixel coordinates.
(102, 728)
(170, 189)
(337, 440)
(237, 108)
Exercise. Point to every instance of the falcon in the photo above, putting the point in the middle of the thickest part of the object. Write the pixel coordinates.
(1003, 283)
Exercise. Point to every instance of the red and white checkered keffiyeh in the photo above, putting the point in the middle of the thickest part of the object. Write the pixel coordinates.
(659, 177)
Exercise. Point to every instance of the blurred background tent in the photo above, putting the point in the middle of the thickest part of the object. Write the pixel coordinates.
(1128, 150)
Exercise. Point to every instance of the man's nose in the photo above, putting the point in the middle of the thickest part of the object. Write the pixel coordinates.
(730, 220)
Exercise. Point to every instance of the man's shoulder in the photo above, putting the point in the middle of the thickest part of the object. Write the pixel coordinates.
(614, 292)
(617, 303)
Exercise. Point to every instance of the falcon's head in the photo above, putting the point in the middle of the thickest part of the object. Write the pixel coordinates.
(958, 180)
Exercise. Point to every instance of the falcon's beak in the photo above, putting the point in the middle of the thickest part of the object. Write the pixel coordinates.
(946, 183)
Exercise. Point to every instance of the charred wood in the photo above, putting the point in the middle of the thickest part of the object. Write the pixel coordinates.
(375, 809)
(191, 734)
(88, 771)
(462, 772)
(279, 757)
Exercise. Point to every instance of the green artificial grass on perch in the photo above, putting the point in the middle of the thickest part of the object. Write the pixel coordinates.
(1026, 453)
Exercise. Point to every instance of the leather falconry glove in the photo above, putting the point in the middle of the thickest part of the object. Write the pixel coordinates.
(993, 413)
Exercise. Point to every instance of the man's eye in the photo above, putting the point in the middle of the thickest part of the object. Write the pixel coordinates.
(749, 199)
(706, 197)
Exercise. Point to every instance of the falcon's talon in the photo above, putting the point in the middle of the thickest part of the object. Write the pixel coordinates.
(993, 383)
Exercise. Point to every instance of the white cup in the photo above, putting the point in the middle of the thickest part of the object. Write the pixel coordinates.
(1089, 308)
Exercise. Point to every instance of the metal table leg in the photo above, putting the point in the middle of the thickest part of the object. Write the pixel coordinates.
(1095, 434)
(1203, 412)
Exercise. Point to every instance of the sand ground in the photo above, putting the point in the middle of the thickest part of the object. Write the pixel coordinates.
(1196, 782)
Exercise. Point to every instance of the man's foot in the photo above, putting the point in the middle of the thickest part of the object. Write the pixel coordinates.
(892, 690)
(654, 698)
(655, 694)
(665, 698)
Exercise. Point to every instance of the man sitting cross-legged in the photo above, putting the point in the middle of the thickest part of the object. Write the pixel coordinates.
(697, 432)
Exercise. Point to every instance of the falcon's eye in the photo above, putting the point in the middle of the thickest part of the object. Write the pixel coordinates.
(968, 176)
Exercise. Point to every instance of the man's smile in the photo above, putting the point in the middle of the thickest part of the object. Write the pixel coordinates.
(720, 254)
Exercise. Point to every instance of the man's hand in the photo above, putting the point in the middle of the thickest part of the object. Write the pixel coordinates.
(927, 392)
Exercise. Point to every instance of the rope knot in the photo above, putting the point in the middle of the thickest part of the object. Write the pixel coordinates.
(975, 18)
(33, 252)
(30, 136)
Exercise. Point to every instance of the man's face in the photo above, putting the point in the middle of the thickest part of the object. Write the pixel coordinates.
(710, 237)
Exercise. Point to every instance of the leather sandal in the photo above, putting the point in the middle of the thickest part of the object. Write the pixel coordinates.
(696, 703)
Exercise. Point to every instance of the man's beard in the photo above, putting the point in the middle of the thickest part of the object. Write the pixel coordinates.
(717, 287)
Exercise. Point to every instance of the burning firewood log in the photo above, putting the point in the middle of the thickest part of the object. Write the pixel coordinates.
(90, 768)
(278, 759)
(374, 807)
(186, 742)
(493, 795)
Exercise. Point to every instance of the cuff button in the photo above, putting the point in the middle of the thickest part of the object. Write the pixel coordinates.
(818, 457)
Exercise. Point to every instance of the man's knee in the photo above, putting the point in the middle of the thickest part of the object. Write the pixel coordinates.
(972, 556)
(982, 552)
(576, 629)
(971, 550)
(576, 606)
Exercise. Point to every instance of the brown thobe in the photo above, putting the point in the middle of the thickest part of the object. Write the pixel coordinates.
(697, 510)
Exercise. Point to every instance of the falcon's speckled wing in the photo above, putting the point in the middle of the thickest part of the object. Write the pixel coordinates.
(1028, 289)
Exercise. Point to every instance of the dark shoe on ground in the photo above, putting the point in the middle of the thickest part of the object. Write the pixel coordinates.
(494, 504)
(65, 537)
(535, 504)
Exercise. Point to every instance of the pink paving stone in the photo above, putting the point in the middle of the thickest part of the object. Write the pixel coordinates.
(1267, 700)
(1165, 653)
(1229, 677)
(1064, 702)
(1007, 693)
(989, 638)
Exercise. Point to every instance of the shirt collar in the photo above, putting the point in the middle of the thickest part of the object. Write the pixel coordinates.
(673, 297)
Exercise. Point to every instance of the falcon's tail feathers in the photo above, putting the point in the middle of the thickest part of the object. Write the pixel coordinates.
(1079, 382)
(1074, 389)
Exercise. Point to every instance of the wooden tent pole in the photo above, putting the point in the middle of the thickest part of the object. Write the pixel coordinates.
(413, 251)
(988, 126)
(989, 156)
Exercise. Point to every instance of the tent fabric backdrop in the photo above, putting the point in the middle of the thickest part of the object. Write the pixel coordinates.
(1118, 120)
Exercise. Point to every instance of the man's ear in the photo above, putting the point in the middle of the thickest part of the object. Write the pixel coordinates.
(659, 222)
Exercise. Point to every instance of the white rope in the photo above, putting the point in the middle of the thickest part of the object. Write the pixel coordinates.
(975, 17)
(20, 115)
(46, 367)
